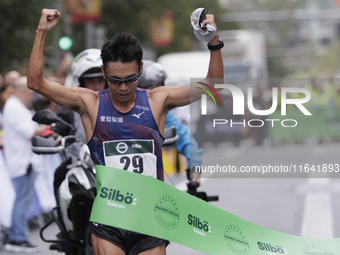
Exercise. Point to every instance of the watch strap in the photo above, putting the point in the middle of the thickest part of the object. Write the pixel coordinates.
(216, 47)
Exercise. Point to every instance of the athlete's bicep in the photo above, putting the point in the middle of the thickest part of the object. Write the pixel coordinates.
(177, 96)
(184, 95)
(68, 97)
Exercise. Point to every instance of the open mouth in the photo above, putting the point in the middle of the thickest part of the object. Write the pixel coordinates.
(123, 95)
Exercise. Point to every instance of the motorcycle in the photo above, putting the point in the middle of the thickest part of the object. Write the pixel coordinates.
(76, 193)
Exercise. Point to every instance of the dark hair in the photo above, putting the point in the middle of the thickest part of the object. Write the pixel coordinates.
(123, 47)
(41, 103)
(3, 88)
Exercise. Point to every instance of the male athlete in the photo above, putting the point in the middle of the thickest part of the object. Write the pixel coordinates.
(122, 112)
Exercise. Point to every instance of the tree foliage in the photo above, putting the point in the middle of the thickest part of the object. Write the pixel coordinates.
(279, 33)
(19, 20)
(135, 17)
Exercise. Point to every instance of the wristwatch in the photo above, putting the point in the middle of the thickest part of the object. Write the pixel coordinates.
(216, 47)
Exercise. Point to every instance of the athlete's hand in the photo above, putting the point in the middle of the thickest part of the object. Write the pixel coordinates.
(209, 19)
(49, 18)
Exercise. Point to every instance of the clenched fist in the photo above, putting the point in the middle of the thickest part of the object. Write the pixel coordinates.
(49, 18)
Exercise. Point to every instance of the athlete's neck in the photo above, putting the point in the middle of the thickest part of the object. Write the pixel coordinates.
(122, 105)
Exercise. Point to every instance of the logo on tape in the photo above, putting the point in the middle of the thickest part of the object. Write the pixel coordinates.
(200, 227)
(236, 240)
(271, 248)
(116, 198)
(167, 212)
(312, 249)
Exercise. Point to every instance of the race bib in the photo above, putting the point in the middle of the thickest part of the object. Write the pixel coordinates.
(131, 155)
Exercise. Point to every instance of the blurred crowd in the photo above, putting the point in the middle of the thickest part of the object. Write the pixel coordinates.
(325, 93)
(325, 98)
(253, 129)
(14, 85)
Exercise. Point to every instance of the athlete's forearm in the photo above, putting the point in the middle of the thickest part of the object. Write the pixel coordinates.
(214, 76)
(35, 76)
(216, 62)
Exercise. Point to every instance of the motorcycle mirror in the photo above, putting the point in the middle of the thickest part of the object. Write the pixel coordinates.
(47, 117)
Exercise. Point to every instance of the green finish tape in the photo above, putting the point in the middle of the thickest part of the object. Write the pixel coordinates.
(149, 206)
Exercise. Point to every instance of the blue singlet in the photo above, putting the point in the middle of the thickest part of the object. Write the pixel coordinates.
(129, 141)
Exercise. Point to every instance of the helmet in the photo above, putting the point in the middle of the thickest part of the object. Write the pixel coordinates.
(153, 74)
(87, 64)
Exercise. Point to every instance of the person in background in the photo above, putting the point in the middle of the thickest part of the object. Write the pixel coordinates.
(11, 77)
(60, 73)
(19, 128)
(261, 101)
(321, 98)
(5, 92)
(2, 79)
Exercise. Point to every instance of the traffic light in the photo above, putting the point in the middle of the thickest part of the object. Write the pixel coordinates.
(65, 43)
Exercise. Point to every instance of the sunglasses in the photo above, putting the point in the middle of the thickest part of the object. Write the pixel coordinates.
(117, 81)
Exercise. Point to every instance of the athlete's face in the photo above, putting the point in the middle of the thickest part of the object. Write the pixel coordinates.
(122, 91)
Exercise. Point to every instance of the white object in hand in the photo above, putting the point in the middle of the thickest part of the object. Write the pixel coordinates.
(208, 34)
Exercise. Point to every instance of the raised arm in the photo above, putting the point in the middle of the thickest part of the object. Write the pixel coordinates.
(179, 96)
(68, 97)
(216, 62)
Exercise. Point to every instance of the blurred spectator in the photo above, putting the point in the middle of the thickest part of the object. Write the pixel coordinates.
(61, 73)
(2, 80)
(5, 92)
(44, 200)
(18, 130)
(321, 97)
(44, 103)
(331, 87)
(7, 193)
(11, 77)
(336, 95)
(262, 99)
